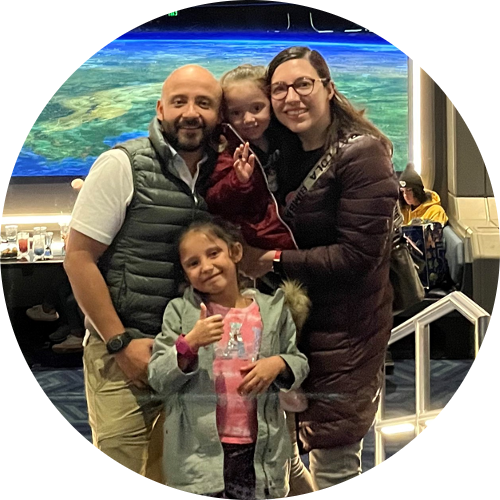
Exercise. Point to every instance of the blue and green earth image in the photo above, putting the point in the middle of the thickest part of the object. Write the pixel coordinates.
(112, 97)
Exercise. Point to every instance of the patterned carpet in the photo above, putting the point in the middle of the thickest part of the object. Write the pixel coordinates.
(446, 377)
(64, 387)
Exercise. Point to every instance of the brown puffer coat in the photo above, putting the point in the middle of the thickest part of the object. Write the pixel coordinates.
(342, 227)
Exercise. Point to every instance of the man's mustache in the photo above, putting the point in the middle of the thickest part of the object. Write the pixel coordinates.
(189, 123)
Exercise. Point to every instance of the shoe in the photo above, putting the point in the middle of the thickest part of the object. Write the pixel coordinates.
(36, 313)
(71, 344)
(60, 334)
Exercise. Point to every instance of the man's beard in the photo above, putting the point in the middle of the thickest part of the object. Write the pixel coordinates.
(175, 137)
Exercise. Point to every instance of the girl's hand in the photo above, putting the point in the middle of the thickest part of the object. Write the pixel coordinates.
(206, 331)
(260, 375)
(243, 164)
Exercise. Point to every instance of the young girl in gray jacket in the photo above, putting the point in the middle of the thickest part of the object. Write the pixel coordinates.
(219, 363)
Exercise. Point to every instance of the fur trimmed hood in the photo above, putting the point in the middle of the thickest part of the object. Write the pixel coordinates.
(298, 302)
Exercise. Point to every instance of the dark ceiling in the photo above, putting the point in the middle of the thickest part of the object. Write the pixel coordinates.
(249, 16)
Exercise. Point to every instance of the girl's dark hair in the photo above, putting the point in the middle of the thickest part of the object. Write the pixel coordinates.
(220, 228)
(345, 118)
(418, 193)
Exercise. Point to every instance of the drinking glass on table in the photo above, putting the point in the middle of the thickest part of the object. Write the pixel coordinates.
(48, 245)
(23, 238)
(11, 251)
(11, 235)
(64, 235)
(39, 243)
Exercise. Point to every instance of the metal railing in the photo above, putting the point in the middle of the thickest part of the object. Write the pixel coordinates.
(420, 324)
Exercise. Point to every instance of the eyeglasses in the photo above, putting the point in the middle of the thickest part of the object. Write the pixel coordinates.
(303, 86)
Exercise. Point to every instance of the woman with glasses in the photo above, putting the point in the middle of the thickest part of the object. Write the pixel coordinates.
(338, 190)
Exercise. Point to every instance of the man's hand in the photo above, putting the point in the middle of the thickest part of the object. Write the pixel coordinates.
(243, 164)
(134, 359)
(206, 331)
(256, 262)
(260, 375)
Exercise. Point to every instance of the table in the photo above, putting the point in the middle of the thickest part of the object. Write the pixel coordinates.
(57, 253)
(25, 282)
(57, 259)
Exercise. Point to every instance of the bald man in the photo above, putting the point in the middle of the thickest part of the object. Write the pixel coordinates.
(122, 254)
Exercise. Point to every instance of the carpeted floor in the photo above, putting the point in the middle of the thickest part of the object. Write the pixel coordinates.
(64, 387)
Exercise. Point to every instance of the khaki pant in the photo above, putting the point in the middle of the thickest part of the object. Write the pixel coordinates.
(125, 421)
(300, 479)
(331, 466)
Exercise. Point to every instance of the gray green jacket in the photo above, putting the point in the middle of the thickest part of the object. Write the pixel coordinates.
(193, 456)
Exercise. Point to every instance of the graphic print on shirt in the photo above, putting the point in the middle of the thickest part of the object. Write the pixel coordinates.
(235, 344)
(239, 347)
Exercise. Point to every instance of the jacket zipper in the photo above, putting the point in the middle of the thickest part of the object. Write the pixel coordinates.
(196, 201)
(193, 194)
(229, 126)
(275, 203)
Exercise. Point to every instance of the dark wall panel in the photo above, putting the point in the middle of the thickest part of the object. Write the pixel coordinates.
(470, 169)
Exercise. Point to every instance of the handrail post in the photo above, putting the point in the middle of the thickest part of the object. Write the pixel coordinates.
(489, 405)
(379, 437)
(422, 368)
(422, 372)
(379, 455)
(420, 324)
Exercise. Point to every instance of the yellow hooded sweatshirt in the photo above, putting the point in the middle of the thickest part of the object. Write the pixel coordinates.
(430, 210)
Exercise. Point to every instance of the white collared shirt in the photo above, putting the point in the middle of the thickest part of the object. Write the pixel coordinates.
(183, 170)
(100, 208)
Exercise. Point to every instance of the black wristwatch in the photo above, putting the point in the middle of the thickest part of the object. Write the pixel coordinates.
(118, 342)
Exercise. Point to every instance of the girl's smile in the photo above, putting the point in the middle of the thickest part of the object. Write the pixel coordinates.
(210, 265)
(248, 110)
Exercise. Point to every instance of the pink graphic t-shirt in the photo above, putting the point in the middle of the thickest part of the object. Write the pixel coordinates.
(239, 346)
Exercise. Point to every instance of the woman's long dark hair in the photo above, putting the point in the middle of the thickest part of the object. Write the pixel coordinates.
(345, 119)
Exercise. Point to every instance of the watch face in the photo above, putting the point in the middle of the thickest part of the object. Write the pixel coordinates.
(115, 344)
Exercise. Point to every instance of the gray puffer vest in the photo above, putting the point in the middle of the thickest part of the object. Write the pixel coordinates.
(141, 266)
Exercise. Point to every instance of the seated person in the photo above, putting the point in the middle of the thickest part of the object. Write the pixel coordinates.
(59, 304)
(419, 203)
